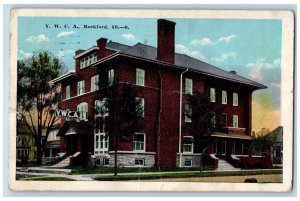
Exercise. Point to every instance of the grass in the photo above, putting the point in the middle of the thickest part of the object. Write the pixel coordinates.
(185, 175)
(106, 170)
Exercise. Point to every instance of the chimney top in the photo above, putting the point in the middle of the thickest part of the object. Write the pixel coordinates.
(233, 72)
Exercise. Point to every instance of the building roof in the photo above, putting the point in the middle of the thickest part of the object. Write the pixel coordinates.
(116, 46)
(185, 61)
(276, 135)
(64, 76)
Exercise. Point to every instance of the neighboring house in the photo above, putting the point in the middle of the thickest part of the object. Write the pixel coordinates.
(157, 73)
(26, 149)
(52, 146)
(276, 139)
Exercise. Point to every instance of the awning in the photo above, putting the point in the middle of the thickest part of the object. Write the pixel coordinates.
(75, 128)
(225, 135)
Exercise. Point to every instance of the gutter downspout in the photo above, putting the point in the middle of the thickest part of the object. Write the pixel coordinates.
(180, 117)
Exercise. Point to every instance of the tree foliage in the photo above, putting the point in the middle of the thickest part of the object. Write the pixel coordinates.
(37, 96)
(123, 110)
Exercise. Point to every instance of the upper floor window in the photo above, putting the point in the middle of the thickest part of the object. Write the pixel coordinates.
(224, 97)
(101, 107)
(80, 88)
(224, 120)
(68, 93)
(188, 113)
(82, 108)
(111, 77)
(213, 119)
(95, 83)
(235, 99)
(235, 121)
(188, 86)
(212, 95)
(88, 60)
(139, 142)
(140, 77)
(140, 106)
(187, 144)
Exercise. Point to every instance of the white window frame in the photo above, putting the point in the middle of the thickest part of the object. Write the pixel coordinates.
(142, 101)
(68, 92)
(103, 140)
(235, 99)
(142, 159)
(88, 60)
(82, 116)
(80, 88)
(223, 143)
(191, 145)
(212, 94)
(144, 143)
(215, 147)
(99, 104)
(188, 165)
(188, 109)
(188, 86)
(140, 77)
(95, 83)
(103, 162)
(235, 121)
(111, 76)
(224, 97)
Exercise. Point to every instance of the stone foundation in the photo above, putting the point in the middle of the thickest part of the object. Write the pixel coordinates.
(189, 160)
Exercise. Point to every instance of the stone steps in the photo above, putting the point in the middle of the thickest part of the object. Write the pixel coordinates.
(224, 165)
(63, 163)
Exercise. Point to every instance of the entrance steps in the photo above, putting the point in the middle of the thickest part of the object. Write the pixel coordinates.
(64, 163)
(224, 165)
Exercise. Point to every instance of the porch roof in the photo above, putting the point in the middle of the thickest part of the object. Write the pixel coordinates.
(75, 128)
(233, 136)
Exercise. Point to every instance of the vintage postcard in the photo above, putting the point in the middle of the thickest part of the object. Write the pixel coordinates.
(151, 100)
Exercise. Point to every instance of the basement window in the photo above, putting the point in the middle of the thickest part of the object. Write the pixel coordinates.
(139, 162)
(188, 163)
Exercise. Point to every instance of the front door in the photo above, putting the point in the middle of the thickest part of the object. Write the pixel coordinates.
(71, 146)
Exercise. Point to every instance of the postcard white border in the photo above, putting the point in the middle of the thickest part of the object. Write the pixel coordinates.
(287, 77)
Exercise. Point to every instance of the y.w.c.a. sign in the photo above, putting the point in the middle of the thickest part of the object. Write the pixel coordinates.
(67, 114)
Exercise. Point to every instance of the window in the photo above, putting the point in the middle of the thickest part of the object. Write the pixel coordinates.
(241, 149)
(101, 142)
(213, 119)
(111, 77)
(80, 88)
(223, 147)
(139, 140)
(188, 86)
(224, 97)
(140, 106)
(101, 107)
(82, 108)
(187, 144)
(188, 113)
(106, 161)
(235, 121)
(224, 120)
(235, 99)
(68, 95)
(88, 60)
(139, 161)
(95, 83)
(212, 95)
(188, 163)
(140, 77)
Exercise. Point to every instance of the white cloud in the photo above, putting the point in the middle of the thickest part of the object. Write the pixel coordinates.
(225, 56)
(63, 53)
(129, 37)
(264, 64)
(65, 34)
(184, 50)
(24, 55)
(275, 85)
(204, 41)
(38, 38)
(226, 39)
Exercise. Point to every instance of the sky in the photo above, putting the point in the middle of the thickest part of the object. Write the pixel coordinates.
(251, 47)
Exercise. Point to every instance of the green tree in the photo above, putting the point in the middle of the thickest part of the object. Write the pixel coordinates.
(123, 112)
(37, 96)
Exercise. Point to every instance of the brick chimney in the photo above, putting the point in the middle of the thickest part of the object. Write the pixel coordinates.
(165, 40)
(101, 43)
(77, 61)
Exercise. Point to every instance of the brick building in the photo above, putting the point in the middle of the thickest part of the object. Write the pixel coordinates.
(160, 75)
